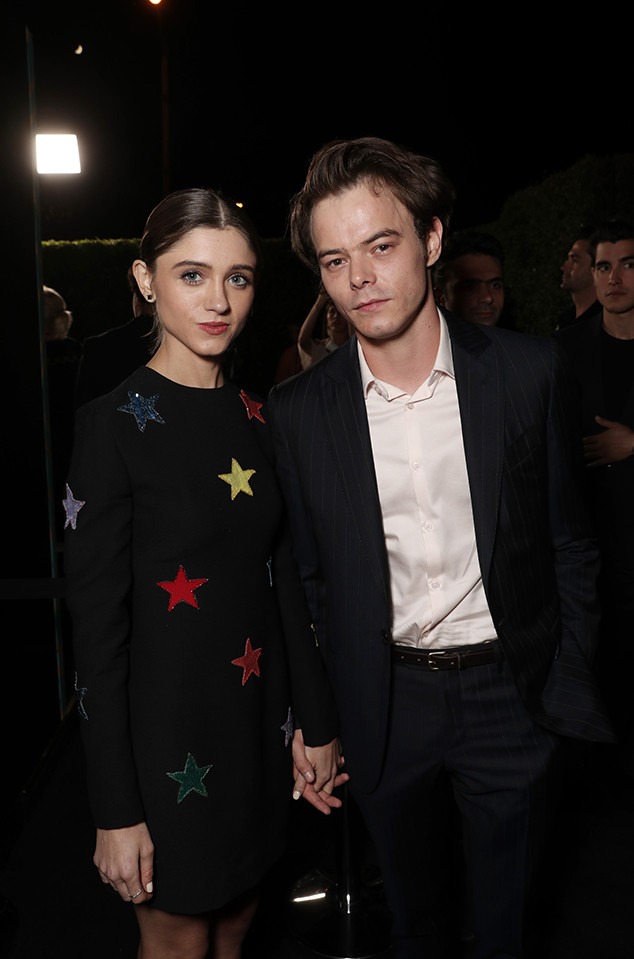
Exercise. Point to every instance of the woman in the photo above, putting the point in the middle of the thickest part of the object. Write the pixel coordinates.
(311, 349)
(197, 670)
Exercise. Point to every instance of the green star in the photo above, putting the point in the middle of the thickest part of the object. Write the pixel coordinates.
(238, 479)
(191, 778)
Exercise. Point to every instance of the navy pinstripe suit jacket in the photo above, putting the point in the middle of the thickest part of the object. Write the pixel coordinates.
(538, 558)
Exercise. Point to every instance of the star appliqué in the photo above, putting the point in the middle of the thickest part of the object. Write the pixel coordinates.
(190, 778)
(249, 662)
(253, 406)
(80, 692)
(181, 589)
(238, 479)
(142, 409)
(72, 507)
(289, 727)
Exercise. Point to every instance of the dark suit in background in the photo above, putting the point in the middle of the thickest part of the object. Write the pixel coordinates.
(603, 368)
(110, 357)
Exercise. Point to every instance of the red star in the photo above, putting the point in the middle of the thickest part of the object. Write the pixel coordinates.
(249, 661)
(253, 406)
(181, 589)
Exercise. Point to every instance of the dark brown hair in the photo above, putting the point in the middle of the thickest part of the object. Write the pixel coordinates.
(185, 210)
(417, 181)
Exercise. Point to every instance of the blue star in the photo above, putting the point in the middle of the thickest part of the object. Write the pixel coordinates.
(142, 408)
(71, 507)
(81, 692)
(288, 727)
(191, 778)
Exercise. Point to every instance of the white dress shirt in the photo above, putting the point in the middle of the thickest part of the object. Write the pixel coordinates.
(436, 582)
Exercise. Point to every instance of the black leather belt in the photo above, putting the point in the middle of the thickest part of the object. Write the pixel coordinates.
(461, 657)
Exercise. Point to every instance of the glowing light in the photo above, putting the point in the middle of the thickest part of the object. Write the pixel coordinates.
(57, 153)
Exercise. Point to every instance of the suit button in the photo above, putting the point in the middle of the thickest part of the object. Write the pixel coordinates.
(385, 637)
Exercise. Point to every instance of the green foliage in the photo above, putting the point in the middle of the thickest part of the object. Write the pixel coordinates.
(537, 226)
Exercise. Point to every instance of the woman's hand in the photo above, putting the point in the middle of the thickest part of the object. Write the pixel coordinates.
(317, 772)
(125, 861)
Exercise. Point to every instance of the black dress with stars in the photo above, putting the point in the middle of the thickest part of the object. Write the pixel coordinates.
(194, 652)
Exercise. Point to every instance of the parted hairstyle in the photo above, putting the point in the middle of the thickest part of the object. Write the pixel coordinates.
(612, 230)
(185, 210)
(417, 181)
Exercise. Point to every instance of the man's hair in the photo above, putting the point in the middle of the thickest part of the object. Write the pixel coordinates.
(462, 243)
(417, 181)
(612, 230)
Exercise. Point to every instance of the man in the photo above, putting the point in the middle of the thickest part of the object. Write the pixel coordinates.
(577, 279)
(468, 278)
(601, 349)
(430, 473)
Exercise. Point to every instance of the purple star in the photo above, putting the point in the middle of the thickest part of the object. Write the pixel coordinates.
(288, 727)
(72, 507)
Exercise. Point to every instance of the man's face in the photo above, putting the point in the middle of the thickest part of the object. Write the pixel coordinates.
(474, 288)
(373, 265)
(576, 270)
(614, 276)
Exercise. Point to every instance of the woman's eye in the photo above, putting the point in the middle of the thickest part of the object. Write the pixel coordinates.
(191, 276)
(239, 280)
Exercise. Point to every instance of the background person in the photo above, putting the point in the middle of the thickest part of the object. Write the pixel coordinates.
(313, 347)
(112, 355)
(601, 351)
(469, 278)
(577, 280)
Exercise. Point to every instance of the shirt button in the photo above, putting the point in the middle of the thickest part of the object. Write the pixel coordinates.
(416, 466)
(410, 406)
(434, 584)
(427, 526)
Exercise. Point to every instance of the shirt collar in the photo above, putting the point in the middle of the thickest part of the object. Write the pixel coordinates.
(443, 364)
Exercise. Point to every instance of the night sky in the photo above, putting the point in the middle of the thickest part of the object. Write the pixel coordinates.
(253, 92)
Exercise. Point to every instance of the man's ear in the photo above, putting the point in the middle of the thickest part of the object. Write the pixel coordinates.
(433, 241)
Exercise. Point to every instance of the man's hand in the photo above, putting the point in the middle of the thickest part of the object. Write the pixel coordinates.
(317, 772)
(614, 444)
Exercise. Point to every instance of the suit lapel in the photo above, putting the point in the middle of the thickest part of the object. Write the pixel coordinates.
(481, 397)
(347, 425)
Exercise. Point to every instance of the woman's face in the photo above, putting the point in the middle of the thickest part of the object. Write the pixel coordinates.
(203, 287)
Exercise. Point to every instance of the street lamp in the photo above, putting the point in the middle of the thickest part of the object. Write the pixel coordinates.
(165, 148)
(57, 153)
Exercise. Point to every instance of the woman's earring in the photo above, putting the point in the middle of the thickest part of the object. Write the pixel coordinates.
(150, 297)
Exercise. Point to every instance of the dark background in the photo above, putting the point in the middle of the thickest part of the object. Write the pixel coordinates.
(503, 100)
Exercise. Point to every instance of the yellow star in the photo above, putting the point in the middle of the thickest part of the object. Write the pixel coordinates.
(238, 479)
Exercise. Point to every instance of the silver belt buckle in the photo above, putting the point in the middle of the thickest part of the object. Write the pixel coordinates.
(430, 661)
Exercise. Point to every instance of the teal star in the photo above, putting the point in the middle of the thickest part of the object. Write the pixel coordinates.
(142, 408)
(191, 778)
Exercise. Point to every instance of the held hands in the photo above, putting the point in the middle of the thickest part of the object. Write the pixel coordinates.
(614, 444)
(125, 861)
(317, 772)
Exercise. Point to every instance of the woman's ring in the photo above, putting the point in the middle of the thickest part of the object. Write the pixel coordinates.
(138, 893)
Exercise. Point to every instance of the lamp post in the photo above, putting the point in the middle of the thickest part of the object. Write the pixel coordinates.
(165, 124)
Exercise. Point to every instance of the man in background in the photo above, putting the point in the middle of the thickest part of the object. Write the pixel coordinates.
(601, 350)
(577, 279)
(469, 277)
